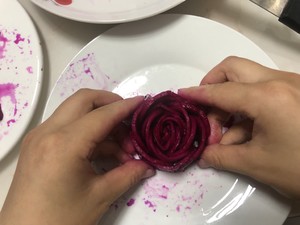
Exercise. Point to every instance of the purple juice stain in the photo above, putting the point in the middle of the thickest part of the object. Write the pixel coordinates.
(3, 41)
(29, 69)
(149, 204)
(89, 72)
(10, 122)
(130, 202)
(9, 90)
(1, 114)
(19, 39)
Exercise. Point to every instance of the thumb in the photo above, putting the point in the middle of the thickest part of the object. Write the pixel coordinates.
(119, 180)
(226, 157)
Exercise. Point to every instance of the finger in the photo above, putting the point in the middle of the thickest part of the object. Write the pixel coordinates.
(230, 97)
(238, 70)
(122, 178)
(95, 126)
(233, 158)
(109, 149)
(82, 102)
(122, 136)
(217, 118)
(118, 145)
(239, 133)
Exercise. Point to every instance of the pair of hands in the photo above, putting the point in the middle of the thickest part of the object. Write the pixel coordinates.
(55, 183)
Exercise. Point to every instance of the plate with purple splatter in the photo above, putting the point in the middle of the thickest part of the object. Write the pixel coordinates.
(20, 73)
(148, 57)
(106, 11)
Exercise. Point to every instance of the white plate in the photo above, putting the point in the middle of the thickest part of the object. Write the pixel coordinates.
(108, 11)
(20, 72)
(168, 52)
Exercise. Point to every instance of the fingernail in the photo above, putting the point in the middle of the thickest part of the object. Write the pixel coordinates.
(139, 97)
(149, 173)
(180, 90)
(184, 90)
(147, 97)
(203, 164)
(125, 158)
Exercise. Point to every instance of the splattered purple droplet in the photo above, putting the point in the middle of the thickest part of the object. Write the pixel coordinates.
(130, 202)
(29, 69)
(10, 122)
(19, 39)
(149, 204)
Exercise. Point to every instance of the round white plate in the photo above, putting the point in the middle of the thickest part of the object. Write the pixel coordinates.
(20, 72)
(168, 52)
(108, 11)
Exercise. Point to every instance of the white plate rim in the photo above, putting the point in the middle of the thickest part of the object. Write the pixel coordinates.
(100, 19)
(38, 57)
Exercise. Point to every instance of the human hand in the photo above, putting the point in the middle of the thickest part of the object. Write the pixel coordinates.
(54, 181)
(264, 146)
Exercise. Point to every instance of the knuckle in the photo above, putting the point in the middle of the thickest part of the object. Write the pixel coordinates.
(135, 177)
(133, 180)
(278, 91)
(230, 59)
(41, 149)
(217, 163)
(83, 91)
(82, 96)
(135, 172)
(254, 156)
(29, 137)
(271, 94)
(213, 159)
(49, 143)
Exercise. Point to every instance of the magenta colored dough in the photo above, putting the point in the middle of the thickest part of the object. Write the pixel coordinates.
(169, 132)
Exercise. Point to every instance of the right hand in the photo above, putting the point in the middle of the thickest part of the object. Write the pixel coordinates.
(266, 145)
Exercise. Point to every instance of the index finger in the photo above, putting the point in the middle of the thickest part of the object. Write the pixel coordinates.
(80, 103)
(98, 124)
(238, 70)
(229, 96)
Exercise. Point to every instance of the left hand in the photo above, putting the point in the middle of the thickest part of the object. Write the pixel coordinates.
(54, 181)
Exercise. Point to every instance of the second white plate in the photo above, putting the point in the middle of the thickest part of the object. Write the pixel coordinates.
(150, 56)
(107, 11)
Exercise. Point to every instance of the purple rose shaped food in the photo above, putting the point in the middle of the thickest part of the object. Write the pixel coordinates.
(169, 132)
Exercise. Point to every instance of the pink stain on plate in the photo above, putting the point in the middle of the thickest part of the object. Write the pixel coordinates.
(84, 72)
(1, 114)
(150, 204)
(155, 189)
(3, 41)
(29, 69)
(64, 2)
(19, 39)
(9, 90)
(130, 202)
(15, 59)
(10, 122)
